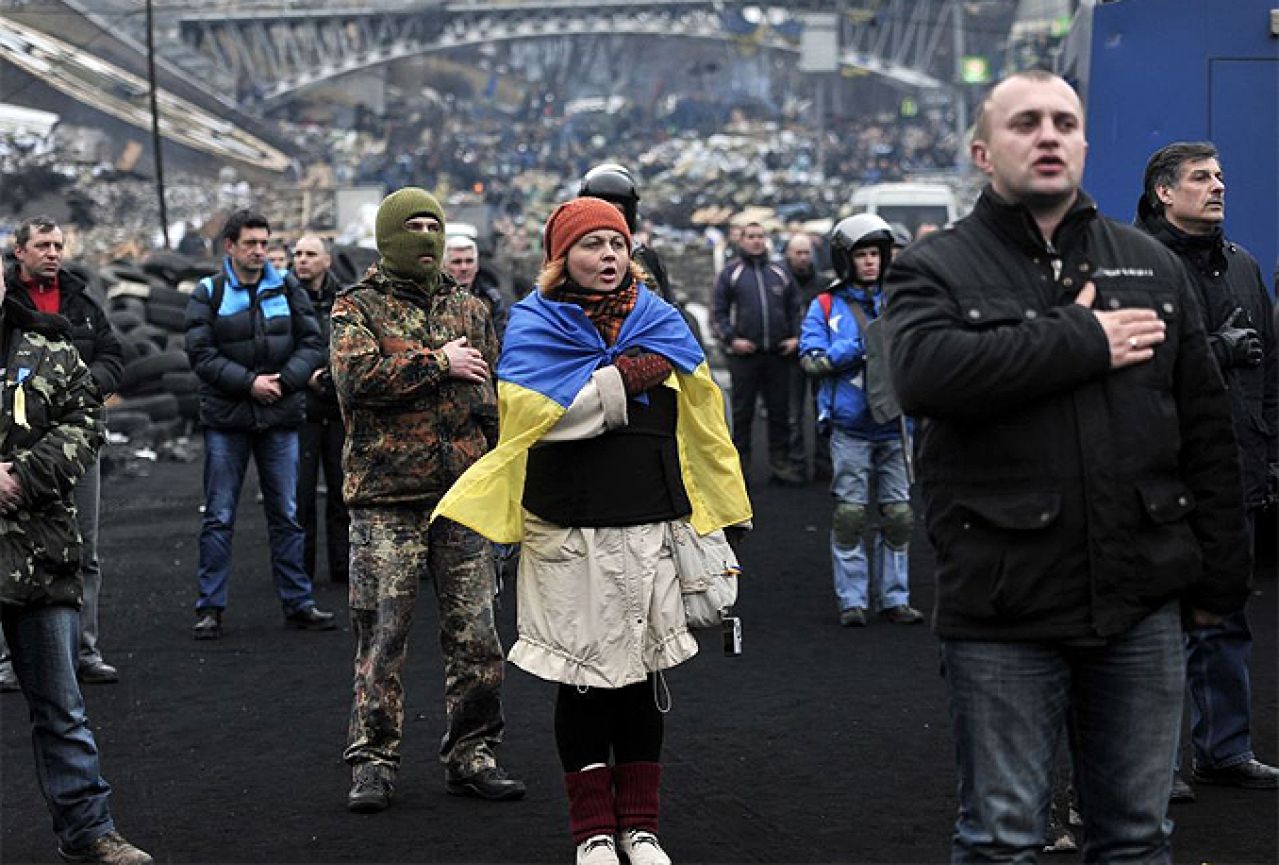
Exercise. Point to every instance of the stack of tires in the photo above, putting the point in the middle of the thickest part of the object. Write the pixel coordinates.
(159, 395)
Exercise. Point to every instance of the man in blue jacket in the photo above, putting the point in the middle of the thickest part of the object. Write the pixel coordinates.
(254, 342)
(866, 452)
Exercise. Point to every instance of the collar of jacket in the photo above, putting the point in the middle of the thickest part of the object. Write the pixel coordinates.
(271, 278)
(69, 282)
(1205, 251)
(762, 259)
(1015, 221)
(329, 286)
(410, 291)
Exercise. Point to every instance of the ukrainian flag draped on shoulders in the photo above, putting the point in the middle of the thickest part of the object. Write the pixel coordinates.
(549, 353)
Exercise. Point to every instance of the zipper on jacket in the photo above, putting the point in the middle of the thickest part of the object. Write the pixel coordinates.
(763, 307)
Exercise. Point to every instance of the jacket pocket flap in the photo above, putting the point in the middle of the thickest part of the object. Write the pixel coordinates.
(984, 311)
(1166, 501)
(1020, 511)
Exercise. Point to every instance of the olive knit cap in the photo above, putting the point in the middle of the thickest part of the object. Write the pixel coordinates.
(402, 249)
(575, 219)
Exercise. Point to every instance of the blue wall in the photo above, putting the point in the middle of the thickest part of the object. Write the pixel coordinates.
(1169, 70)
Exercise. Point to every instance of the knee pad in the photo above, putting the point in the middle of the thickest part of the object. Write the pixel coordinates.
(848, 523)
(897, 525)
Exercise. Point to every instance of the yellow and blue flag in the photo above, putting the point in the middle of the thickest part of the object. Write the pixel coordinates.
(549, 353)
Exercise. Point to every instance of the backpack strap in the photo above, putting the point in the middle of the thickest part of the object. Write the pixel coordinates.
(825, 300)
(217, 287)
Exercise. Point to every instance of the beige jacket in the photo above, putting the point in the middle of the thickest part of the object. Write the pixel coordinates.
(598, 606)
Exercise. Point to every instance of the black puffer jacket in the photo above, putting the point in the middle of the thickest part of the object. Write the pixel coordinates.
(91, 331)
(1063, 499)
(1228, 278)
(254, 330)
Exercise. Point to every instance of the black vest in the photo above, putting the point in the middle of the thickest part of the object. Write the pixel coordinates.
(626, 477)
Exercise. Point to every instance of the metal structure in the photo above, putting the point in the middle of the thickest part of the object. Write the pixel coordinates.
(285, 51)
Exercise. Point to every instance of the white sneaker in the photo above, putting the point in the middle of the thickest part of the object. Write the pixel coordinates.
(597, 850)
(642, 848)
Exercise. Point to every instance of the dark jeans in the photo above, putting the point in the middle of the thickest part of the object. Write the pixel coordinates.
(770, 375)
(44, 641)
(226, 459)
(320, 445)
(1009, 703)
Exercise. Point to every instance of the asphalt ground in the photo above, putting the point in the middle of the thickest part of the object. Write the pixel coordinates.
(818, 744)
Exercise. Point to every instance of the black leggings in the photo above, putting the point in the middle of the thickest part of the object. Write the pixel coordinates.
(625, 721)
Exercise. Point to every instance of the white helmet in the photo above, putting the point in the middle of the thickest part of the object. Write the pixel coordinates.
(863, 229)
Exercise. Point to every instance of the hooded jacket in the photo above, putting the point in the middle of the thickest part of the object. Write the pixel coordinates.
(91, 332)
(1227, 278)
(50, 429)
(254, 330)
(1064, 499)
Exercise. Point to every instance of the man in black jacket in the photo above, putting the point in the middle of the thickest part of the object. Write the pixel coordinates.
(38, 280)
(1183, 204)
(254, 343)
(1079, 480)
(321, 436)
(755, 313)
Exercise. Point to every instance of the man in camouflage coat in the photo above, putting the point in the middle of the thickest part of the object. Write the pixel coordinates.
(50, 432)
(411, 355)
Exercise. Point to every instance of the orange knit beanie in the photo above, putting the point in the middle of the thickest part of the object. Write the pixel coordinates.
(575, 219)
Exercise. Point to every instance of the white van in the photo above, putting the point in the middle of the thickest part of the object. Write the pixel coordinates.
(911, 204)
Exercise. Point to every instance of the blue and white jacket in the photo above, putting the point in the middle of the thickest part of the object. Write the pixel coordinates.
(841, 396)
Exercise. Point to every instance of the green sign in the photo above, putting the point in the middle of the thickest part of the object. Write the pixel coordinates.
(974, 69)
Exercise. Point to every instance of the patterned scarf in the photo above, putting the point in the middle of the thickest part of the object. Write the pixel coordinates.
(606, 309)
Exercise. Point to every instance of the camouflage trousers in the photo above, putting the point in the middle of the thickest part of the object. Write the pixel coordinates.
(392, 551)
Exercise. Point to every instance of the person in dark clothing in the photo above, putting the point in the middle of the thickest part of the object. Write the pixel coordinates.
(321, 436)
(38, 280)
(1183, 205)
(798, 255)
(51, 429)
(755, 313)
(1079, 480)
(462, 262)
(253, 342)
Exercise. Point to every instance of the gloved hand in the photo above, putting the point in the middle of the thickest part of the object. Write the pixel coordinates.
(641, 370)
(816, 364)
(1238, 346)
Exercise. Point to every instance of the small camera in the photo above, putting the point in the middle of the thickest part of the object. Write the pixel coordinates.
(732, 632)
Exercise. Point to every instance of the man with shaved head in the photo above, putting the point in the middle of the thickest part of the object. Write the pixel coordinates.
(1079, 479)
(321, 436)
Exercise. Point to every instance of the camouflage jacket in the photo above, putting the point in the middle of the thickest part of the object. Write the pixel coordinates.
(50, 430)
(411, 430)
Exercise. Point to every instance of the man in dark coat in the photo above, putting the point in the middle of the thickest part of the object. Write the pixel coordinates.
(254, 343)
(321, 436)
(1183, 204)
(38, 280)
(756, 315)
(1079, 480)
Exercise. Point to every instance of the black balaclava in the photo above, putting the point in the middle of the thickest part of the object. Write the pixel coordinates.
(402, 248)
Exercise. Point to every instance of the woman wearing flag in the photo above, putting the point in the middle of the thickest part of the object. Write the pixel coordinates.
(612, 432)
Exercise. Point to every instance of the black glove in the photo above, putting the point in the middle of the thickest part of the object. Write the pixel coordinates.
(1238, 346)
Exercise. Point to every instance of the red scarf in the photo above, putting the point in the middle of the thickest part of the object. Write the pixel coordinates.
(606, 309)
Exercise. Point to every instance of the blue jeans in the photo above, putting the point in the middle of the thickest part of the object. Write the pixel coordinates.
(858, 461)
(1220, 692)
(43, 642)
(226, 458)
(1009, 703)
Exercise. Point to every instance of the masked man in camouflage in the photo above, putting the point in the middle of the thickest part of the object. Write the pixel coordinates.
(50, 432)
(411, 356)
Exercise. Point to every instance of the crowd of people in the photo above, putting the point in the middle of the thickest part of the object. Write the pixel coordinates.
(1083, 411)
